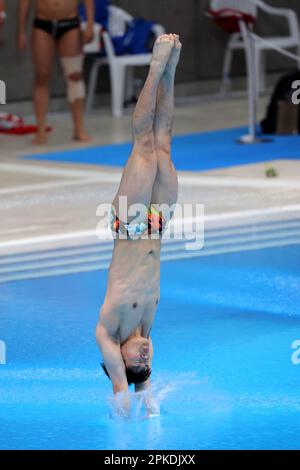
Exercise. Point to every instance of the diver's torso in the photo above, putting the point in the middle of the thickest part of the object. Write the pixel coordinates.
(56, 9)
(133, 286)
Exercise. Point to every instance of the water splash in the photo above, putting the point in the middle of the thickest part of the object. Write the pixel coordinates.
(169, 396)
(134, 406)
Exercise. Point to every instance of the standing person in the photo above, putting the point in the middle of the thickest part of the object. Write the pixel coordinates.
(56, 28)
(149, 180)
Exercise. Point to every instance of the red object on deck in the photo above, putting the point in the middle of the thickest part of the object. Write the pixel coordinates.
(228, 18)
(14, 125)
(22, 130)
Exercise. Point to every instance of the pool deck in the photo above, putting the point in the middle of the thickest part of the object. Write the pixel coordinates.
(49, 203)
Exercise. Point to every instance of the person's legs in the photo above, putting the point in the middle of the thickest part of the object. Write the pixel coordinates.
(43, 48)
(141, 168)
(165, 187)
(70, 52)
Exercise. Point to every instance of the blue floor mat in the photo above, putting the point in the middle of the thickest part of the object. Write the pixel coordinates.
(199, 151)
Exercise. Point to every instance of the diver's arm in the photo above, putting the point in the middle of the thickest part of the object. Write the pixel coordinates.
(90, 12)
(90, 15)
(115, 367)
(145, 385)
(112, 358)
(2, 12)
(24, 7)
(152, 407)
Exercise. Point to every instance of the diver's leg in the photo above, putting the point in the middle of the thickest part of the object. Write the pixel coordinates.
(71, 56)
(140, 171)
(165, 188)
(43, 49)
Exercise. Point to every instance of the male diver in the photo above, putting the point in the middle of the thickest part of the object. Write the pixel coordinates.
(149, 181)
(56, 29)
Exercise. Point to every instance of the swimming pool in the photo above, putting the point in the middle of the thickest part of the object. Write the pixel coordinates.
(222, 367)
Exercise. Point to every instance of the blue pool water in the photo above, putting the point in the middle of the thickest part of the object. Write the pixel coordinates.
(198, 151)
(222, 367)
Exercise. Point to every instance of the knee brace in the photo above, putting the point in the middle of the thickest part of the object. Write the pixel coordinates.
(71, 67)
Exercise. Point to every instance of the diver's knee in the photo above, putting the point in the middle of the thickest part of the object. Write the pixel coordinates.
(163, 150)
(163, 144)
(72, 67)
(145, 143)
(75, 76)
(42, 78)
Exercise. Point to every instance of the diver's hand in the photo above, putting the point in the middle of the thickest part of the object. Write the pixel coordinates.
(122, 404)
(148, 400)
(151, 405)
(145, 394)
(88, 34)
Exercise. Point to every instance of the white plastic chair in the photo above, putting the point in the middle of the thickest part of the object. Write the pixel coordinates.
(236, 42)
(121, 67)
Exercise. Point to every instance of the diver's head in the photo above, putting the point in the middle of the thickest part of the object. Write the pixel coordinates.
(136, 356)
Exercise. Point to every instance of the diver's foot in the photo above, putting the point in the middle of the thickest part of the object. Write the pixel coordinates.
(162, 49)
(175, 54)
(82, 136)
(41, 138)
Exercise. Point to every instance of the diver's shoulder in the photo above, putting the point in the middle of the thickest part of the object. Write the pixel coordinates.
(110, 317)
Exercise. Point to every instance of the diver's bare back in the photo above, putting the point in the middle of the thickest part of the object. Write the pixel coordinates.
(56, 9)
(133, 286)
